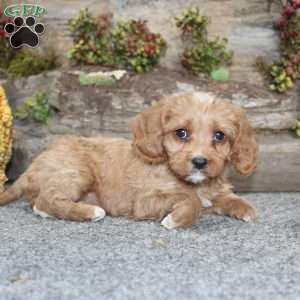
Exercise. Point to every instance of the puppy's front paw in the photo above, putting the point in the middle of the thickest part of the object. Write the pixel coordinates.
(168, 222)
(40, 213)
(242, 210)
(206, 203)
(98, 214)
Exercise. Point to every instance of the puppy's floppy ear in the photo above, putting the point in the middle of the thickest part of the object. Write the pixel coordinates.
(148, 134)
(244, 151)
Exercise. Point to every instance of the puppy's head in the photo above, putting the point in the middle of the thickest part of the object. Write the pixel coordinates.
(196, 135)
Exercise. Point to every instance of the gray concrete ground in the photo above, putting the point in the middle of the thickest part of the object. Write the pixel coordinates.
(221, 258)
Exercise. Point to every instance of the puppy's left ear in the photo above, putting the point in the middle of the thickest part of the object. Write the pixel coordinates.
(244, 151)
(148, 134)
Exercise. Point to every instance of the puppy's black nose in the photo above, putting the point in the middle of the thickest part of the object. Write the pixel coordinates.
(199, 162)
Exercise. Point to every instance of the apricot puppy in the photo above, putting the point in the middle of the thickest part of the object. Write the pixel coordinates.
(171, 171)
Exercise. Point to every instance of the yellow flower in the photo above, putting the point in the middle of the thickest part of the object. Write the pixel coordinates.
(5, 135)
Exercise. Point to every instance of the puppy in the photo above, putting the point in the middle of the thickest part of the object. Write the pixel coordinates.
(171, 171)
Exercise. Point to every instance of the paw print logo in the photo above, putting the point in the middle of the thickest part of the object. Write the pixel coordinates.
(24, 32)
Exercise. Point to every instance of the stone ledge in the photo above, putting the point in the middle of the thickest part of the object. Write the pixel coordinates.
(106, 110)
(278, 168)
(112, 105)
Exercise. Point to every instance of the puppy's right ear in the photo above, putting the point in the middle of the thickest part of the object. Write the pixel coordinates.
(245, 148)
(148, 134)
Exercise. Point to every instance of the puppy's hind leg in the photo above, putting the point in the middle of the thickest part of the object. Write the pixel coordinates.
(14, 192)
(61, 203)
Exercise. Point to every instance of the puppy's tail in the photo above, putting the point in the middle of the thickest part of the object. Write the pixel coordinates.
(14, 192)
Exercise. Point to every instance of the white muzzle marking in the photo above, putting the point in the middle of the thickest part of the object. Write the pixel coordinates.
(196, 177)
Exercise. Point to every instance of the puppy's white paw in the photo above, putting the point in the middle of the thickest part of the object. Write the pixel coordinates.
(206, 203)
(98, 214)
(168, 222)
(248, 218)
(40, 213)
(248, 215)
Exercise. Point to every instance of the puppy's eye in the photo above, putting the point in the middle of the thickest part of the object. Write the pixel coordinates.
(182, 133)
(219, 136)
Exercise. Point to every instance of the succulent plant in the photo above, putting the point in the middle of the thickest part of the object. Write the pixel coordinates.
(137, 46)
(296, 128)
(130, 43)
(6, 135)
(90, 39)
(192, 22)
(281, 79)
(35, 108)
(203, 56)
(284, 72)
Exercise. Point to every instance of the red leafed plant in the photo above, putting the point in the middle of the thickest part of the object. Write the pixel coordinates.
(289, 26)
(284, 72)
(130, 43)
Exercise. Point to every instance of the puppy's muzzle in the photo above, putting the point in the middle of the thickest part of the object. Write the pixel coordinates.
(199, 162)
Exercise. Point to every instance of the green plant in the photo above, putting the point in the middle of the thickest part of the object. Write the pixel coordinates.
(282, 76)
(135, 45)
(91, 39)
(35, 108)
(203, 55)
(26, 63)
(192, 23)
(130, 44)
(296, 128)
(284, 72)
(281, 73)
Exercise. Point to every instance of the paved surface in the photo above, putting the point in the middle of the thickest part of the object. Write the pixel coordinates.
(220, 258)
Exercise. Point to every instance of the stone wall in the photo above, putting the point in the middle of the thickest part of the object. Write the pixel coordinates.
(106, 111)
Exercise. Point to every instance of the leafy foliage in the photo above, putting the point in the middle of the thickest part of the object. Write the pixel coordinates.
(35, 108)
(191, 22)
(203, 55)
(130, 44)
(297, 128)
(284, 72)
(26, 63)
(90, 39)
(136, 46)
